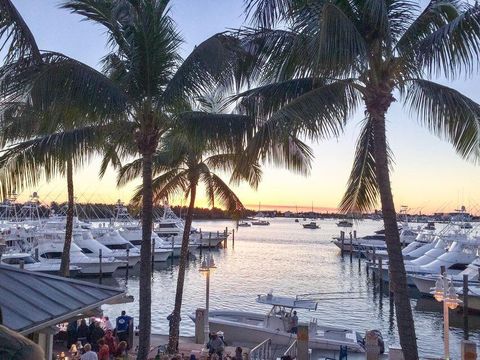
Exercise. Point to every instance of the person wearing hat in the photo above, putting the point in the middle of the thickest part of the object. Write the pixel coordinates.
(216, 345)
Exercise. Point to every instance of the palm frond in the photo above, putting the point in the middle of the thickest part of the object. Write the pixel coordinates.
(448, 114)
(265, 100)
(362, 191)
(454, 47)
(225, 196)
(267, 13)
(320, 113)
(214, 61)
(15, 34)
(339, 47)
(23, 164)
(165, 186)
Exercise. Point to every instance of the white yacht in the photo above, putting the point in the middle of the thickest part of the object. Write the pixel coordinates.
(275, 325)
(117, 244)
(473, 296)
(49, 246)
(92, 248)
(29, 263)
(169, 224)
(244, 224)
(425, 283)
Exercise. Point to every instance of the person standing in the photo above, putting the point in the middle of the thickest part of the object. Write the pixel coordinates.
(110, 341)
(123, 327)
(103, 350)
(294, 322)
(83, 332)
(107, 324)
(96, 334)
(89, 354)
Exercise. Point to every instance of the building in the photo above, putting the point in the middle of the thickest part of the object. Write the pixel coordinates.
(32, 304)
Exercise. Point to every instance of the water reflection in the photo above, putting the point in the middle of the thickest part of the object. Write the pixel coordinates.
(292, 260)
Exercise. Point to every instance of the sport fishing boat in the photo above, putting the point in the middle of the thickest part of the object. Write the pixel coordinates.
(251, 327)
(311, 225)
(112, 239)
(50, 247)
(425, 283)
(29, 263)
(344, 223)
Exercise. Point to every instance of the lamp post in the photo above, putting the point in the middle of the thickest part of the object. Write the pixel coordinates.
(207, 266)
(444, 291)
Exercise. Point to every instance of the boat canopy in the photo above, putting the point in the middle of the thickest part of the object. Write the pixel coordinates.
(287, 302)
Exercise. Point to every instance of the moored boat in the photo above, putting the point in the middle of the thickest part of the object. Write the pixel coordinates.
(311, 225)
(251, 327)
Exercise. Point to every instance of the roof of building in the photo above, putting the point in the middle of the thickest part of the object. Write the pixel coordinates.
(32, 301)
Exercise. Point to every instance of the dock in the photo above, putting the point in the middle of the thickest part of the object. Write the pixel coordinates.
(186, 347)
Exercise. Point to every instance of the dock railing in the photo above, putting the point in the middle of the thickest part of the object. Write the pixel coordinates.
(292, 350)
(262, 351)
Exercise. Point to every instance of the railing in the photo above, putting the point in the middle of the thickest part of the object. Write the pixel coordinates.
(262, 351)
(291, 350)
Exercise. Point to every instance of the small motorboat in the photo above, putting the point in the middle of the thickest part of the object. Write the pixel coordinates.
(251, 327)
(260, 222)
(344, 223)
(244, 224)
(296, 220)
(466, 226)
(311, 225)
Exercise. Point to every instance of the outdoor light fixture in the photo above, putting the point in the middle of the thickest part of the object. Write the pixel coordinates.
(444, 291)
(206, 267)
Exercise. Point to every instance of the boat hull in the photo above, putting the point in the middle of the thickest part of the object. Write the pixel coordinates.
(245, 333)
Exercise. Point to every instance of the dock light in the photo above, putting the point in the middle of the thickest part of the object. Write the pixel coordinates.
(444, 291)
(206, 267)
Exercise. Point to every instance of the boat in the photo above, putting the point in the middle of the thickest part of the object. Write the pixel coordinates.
(251, 327)
(49, 246)
(244, 224)
(466, 226)
(344, 223)
(29, 263)
(311, 225)
(117, 244)
(473, 296)
(430, 226)
(260, 222)
(425, 283)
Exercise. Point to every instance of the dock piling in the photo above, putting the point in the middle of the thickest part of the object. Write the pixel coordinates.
(233, 238)
(209, 239)
(128, 260)
(153, 254)
(380, 267)
(465, 307)
(342, 239)
(226, 237)
(100, 258)
(351, 248)
(36, 254)
(22, 264)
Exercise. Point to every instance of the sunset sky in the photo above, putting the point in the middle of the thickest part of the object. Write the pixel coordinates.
(428, 175)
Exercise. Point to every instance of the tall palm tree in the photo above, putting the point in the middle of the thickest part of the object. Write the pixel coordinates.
(320, 60)
(200, 144)
(143, 81)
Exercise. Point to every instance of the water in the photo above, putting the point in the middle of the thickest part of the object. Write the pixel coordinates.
(292, 260)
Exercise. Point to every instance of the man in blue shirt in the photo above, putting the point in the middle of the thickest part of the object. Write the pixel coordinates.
(123, 327)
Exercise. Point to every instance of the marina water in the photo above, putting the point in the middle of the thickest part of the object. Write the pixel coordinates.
(290, 260)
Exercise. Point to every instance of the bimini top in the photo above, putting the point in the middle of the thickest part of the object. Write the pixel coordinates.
(288, 302)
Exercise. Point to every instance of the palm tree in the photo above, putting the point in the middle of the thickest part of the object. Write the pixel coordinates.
(144, 81)
(200, 144)
(319, 60)
(36, 137)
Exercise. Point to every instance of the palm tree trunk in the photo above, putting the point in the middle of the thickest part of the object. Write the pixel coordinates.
(65, 262)
(145, 317)
(175, 322)
(398, 279)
